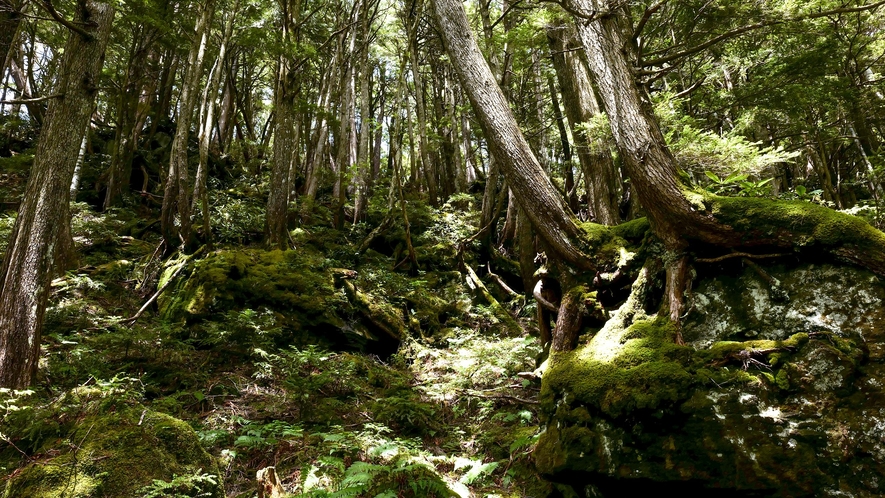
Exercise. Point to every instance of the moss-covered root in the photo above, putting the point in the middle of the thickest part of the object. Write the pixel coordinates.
(799, 226)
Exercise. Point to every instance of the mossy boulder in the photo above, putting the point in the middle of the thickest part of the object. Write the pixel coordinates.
(312, 301)
(780, 391)
(94, 442)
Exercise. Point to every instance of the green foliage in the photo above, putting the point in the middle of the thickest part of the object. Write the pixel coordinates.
(739, 184)
(728, 155)
(196, 485)
(237, 214)
(257, 436)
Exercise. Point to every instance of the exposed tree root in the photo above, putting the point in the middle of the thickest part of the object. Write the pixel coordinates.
(677, 282)
(568, 324)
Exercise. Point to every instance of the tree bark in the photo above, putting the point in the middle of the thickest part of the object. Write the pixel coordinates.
(207, 123)
(284, 139)
(128, 130)
(26, 272)
(363, 172)
(569, 320)
(427, 166)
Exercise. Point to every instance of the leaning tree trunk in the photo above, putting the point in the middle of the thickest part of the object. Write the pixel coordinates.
(10, 19)
(26, 273)
(679, 217)
(542, 203)
(176, 195)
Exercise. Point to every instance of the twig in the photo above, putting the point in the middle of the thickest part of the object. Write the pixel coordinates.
(739, 255)
(503, 285)
(10, 443)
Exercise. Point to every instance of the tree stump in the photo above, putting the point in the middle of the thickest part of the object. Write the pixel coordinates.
(269, 485)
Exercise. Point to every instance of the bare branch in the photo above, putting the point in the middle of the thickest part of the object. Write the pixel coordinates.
(646, 16)
(739, 255)
(31, 101)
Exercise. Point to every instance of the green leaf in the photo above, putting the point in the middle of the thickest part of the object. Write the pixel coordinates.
(712, 176)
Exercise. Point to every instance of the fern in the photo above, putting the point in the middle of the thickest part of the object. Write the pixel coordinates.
(196, 485)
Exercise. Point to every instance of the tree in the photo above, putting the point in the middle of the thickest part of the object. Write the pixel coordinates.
(285, 137)
(600, 173)
(542, 203)
(26, 272)
(176, 197)
(678, 216)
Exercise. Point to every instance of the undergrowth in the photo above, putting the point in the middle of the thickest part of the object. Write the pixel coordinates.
(446, 415)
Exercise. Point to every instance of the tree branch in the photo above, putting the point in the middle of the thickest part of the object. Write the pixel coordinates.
(504, 14)
(31, 101)
(739, 31)
(646, 16)
(739, 255)
(47, 6)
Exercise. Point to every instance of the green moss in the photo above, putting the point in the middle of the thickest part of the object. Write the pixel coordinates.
(633, 230)
(639, 368)
(782, 220)
(108, 445)
(280, 280)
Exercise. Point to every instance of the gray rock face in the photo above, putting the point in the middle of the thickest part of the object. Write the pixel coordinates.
(787, 396)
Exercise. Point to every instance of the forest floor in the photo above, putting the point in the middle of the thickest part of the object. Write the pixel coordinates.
(446, 414)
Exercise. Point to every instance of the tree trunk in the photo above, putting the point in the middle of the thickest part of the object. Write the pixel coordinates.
(363, 171)
(344, 156)
(284, 139)
(207, 123)
(427, 166)
(10, 19)
(600, 174)
(543, 204)
(127, 133)
(176, 198)
(26, 272)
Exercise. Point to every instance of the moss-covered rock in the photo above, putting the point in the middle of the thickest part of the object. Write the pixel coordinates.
(312, 301)
(95, 442)
(771, 396)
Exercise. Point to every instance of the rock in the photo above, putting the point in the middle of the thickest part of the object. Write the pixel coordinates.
(772, 397)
